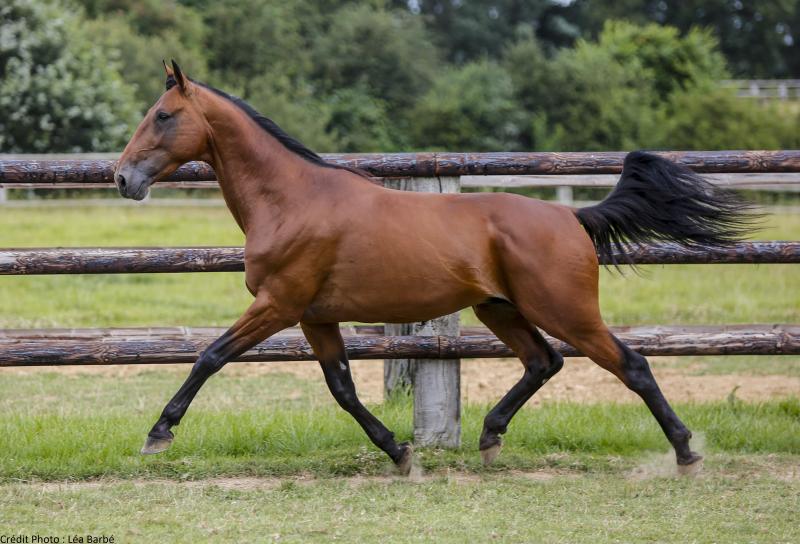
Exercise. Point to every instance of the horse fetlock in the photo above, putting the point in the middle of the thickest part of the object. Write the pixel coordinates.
(488, 440)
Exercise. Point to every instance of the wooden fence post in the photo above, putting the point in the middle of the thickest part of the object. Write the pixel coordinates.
(564, 195)
(436, 382)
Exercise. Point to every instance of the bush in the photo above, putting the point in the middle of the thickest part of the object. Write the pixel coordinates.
(471, 108)
(58, 91)
(717, 119)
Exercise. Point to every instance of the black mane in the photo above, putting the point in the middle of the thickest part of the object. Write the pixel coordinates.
(278, 133)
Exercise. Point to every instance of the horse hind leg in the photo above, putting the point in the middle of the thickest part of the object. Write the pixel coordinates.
(563, 301)
(540, 360)
(633, 370)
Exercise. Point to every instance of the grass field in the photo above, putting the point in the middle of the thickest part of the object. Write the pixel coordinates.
(269, 457)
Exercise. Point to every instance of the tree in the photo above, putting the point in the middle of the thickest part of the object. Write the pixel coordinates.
(140, 33)
(139, 56)
(718, 119)
(58, 92)
(295, 108)
(388, 54)
(673, 62)
(359, 123)
(248, 39)
(472, 30)
(470, 108)
(596, 103)
(759, 39)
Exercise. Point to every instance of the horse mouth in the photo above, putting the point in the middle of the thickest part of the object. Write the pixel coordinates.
(140, 193)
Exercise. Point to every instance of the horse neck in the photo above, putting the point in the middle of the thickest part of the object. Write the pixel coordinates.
(253, 168)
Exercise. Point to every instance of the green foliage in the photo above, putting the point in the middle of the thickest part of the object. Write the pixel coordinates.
(529, 68)
(599, 104)
(759, 39)
(140, 56)
(359, 122)
(470, 31)
(673, 62)
(248, 39)
(391, 75)
(471, 108)
(142, 33)
(58, 92)
(717, 119)
(297, 110)
(639, 86)
(386, 53)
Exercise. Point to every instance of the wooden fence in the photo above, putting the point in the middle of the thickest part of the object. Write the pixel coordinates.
(436, 347)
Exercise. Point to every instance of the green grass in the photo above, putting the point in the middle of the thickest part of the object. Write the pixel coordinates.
(686, 294)
(568, 472)
(725, 506)
(58, 426)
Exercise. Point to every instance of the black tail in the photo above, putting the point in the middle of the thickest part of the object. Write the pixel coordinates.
(657, 199)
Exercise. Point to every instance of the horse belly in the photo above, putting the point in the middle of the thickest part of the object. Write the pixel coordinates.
(382, 293)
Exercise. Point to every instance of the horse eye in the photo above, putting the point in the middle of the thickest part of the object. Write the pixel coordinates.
(162, 116)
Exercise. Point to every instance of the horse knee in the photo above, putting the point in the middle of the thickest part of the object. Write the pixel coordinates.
(209, 362)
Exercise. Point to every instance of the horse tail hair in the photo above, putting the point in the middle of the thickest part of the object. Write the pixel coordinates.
(659, 200)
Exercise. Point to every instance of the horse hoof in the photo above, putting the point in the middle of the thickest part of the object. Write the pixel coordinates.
(155, 445)
(404, 464)
(490, 454)
(692, 465)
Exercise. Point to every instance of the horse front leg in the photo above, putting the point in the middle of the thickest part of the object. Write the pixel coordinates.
(261, 320)
(326, 340)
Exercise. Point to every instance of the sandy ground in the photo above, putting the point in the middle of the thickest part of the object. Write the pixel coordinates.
(487, 380)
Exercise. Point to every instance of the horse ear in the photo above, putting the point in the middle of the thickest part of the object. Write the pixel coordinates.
(170, 76)
(180, 79)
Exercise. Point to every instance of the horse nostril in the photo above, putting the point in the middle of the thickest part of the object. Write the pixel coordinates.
(121, 181)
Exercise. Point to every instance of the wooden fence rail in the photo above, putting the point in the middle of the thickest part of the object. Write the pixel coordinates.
(231, 259)
(427, 165)
(148, 346)
(786, 181)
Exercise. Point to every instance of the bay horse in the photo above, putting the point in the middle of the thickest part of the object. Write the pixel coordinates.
(325, 245)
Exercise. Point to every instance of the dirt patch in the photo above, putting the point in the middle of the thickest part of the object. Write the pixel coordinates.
(487, 380)
(654, 466)
(245, 483)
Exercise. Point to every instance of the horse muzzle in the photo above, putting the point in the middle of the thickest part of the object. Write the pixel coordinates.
(132, 182)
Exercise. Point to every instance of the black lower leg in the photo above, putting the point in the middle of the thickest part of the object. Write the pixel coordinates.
(639, 379)
(537, 372)
(340, 383)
